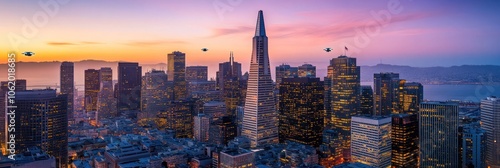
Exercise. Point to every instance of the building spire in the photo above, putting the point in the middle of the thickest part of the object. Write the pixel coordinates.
(260, 29)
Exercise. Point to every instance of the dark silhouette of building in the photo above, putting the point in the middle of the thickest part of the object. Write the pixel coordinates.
(128, 90)
(366, 100)
(404, 140)
(196, 73)
(42, 121)
(386, 93)
(67, 82)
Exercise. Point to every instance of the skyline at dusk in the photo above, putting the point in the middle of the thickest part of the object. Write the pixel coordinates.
(419, 33)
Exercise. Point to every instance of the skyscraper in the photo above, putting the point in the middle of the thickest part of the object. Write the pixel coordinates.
(260, 118)
(411, 94)
(92, 85)
(43, 122)
(490, 117)
(176, 73)
(438, 134)
(301, 111)
(307, 70)
(386, 93)
(154, 96)
(366, 100)
(201, 126)
(474, 146)
(179, 118)
(67, 82)
(196, 73)
(106, 102)
(405, 140)
(343, 95)
(371, 140)
(128, 90)
(285, 71)
(19, 85)
(229, 82)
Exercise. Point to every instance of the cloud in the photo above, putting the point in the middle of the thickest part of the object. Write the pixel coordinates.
(154, 42)
(228, 31)
(71, 43)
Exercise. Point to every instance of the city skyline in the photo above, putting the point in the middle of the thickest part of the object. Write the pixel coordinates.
(412, 37)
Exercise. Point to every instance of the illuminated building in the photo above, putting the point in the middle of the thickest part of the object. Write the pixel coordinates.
(366, 100)
(201, 127)
(405, 140)
(20, 85)
(438, 134)
(285, 71)
(307, 70)
(490, 118)
(154, 96)
(331, 149)
(474, 146)
(343, 96)
(176, 73)
(371, 140)
(260, 119)
(128, 90)
(229, 82)
(222, 130)
(67, 82)
(386, 93)
(196, 73)
(411, 94)
(92, 85)
(106, 102)
(301, 111)
(42, 121)
(236, 158)
(179, 118)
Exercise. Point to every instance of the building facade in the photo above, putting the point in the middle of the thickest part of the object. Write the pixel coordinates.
(438, 134)
(404, 140)
(260, 119)
(371, 140)
(490, 117)
(301, 111)
(128, 90)
(67, 82)
(386, 93)
(176, 72)
(92, 85)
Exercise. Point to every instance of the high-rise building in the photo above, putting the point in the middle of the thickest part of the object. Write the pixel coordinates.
(214, 109)
(438, 134)
(67, 82)
(106, 102)
(229, 81)
(92, 85)
(196, 73)
(411, 94)
(405, 140)
(371, 140)
(128, 90)
(301, 111)
(179, 118)
(307, 70)
(386, 93)
(201, 126)
(154, 96)
(285, 71)
(343, 94)
(222, 130)
(490, 118)
(43, 122)
(19, 85)
(260, 120)
(176, 73)
(366, 100)
(473, 146)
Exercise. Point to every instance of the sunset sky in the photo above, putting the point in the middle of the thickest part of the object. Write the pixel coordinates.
(422, 33)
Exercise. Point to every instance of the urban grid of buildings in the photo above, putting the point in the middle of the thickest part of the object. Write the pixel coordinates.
(179, 118)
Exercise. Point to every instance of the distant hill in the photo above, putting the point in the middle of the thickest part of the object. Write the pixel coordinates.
(464, 74)
(47, 73)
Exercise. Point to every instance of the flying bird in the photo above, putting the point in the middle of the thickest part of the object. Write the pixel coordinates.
(204, 49)
(28, 53)
(328, 49)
